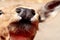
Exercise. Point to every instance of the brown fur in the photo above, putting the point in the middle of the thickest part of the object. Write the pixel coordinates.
(8, 7)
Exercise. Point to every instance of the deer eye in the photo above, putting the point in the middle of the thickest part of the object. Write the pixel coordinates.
(52, 4)
(1, 12)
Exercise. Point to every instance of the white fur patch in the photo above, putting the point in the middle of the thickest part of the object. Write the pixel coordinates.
(35, 18)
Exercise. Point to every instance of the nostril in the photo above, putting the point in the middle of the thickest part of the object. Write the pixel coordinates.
(33, 12)
(18, 10)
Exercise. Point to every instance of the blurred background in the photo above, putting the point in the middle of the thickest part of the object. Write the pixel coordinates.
(49, 30)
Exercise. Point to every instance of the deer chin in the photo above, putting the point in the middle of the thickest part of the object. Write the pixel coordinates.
(18, 37)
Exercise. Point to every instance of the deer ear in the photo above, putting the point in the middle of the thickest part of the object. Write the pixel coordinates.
(49, 10)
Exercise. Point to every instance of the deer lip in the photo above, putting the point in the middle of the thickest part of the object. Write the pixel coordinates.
(26, 21)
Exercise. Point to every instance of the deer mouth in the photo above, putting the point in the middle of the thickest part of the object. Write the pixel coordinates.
(22, 30)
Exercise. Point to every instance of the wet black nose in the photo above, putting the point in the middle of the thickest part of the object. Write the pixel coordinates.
(25, 13)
